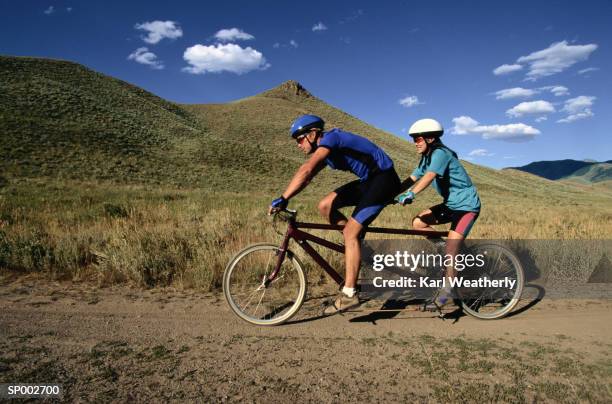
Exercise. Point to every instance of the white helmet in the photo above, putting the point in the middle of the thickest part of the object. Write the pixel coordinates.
(426, 127)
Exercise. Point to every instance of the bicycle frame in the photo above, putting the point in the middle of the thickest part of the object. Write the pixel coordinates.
(302, 238)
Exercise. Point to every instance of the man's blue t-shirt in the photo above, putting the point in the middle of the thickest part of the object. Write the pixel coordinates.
(451, 181)
(350, 152)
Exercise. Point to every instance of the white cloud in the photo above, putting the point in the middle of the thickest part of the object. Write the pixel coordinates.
(143, 56)
(233, 34)
(219, 58)
(69, 9)
(513, 132)
(319, 27)
(519, 92)
(575, 117)
(541, 119)
(516, 132)
(516, 92)
(276, 45)
(556, 58)
(410, 101)
(293, 44)
(578, 108)
(588, 70)
(49, 10)
(158, 30)
(531, 107)
(481, 153)
(578, 104)
(559, 91)
(505, 69)
(463, 125)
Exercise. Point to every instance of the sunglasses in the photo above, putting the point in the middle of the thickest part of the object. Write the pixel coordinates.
(418, 139)
(300, 138)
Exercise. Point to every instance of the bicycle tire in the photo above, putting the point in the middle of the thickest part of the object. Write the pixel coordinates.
(484, 309)
(283, 303)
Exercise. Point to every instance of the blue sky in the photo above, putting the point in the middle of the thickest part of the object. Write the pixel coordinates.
(512, 82)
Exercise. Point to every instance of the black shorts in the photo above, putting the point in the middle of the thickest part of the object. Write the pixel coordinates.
(461, 220)
(370, 196)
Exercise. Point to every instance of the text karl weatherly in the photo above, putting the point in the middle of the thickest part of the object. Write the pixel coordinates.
(458, 282)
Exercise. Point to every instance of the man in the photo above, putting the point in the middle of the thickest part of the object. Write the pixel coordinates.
(378, 183)
(440, 166)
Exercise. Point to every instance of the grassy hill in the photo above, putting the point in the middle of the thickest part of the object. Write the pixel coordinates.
(62, 120)
(100, 178)
(59, 119)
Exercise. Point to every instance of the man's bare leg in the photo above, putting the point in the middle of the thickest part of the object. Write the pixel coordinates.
(326, 209)
(352, 229)
(352, 252)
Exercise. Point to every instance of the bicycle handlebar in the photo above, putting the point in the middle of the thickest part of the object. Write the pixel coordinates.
(284, 215)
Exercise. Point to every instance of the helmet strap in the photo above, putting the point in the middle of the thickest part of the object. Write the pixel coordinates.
(313, 146)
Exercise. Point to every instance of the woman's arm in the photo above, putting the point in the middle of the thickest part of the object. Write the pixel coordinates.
(424, 182)
(407, 183)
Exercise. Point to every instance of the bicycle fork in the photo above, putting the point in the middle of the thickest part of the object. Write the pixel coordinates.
(280, 257)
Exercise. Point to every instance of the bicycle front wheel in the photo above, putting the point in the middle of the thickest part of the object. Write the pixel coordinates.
(489, 302)
(257, 301)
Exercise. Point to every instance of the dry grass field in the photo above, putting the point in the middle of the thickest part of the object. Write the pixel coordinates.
(153, 236)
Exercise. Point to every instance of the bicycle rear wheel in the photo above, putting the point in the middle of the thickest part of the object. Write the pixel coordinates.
(488, 302)
(248, 295)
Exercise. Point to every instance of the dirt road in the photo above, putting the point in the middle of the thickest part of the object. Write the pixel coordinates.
(120, 344)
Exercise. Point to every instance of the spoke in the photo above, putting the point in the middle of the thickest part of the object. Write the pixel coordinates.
(498, 257)
(259, 302)
(249, 301)
(259, 287)
(278, 279)
(490, 294)
(476, 301)
(510, 268)
(266, 269)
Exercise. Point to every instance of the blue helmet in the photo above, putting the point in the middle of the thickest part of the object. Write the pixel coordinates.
(304, 124)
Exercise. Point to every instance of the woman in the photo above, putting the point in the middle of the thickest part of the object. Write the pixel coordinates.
(440, 166)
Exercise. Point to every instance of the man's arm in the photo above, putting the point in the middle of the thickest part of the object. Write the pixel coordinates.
(306, 172)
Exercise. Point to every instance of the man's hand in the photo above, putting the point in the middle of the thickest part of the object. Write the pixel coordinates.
(279, 203)
(406, 198)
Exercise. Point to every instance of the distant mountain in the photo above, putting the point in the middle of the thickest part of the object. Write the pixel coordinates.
(598, 172)
(574, 170)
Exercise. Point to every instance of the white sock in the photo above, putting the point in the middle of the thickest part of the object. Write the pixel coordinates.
(350, 292)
